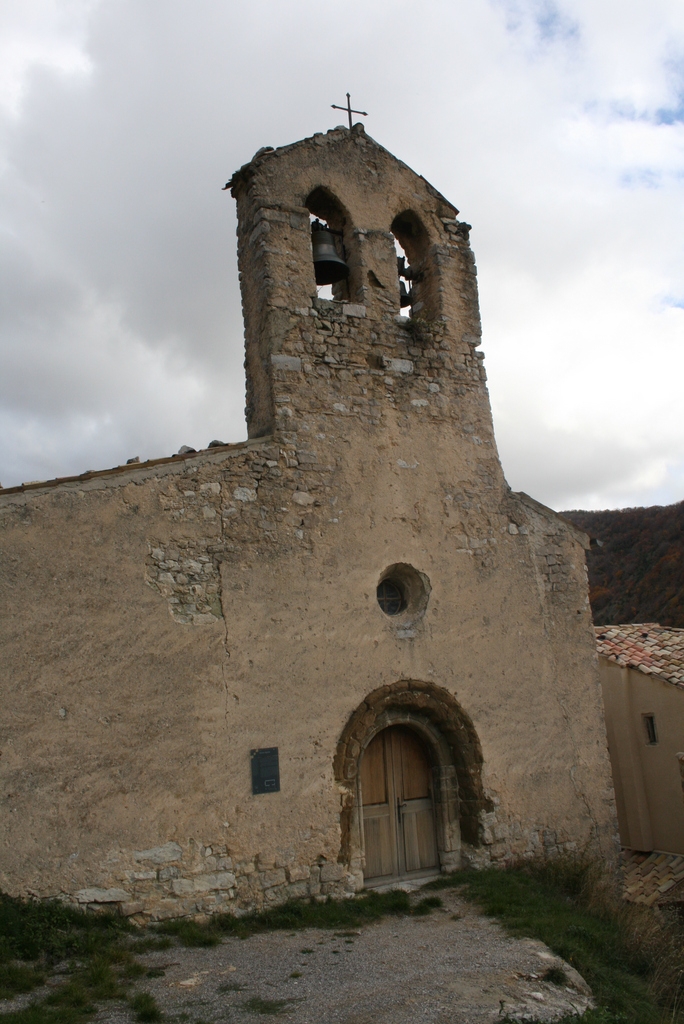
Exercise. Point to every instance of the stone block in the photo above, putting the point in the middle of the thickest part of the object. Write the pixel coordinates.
(164, 910)
(331, 872)
(352, 309)
(128, 909)
(298, 890)
(219, 880)
(244, 494)
(268, 879)
(193, 567)
(281, 362)
(183, 886)
(276, 895)
(298, 872)
(165, 873)
(303, 498)
(160, 854)
(95, 895)
(399, 365)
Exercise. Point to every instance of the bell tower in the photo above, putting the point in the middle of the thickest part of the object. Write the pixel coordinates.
(330, 209)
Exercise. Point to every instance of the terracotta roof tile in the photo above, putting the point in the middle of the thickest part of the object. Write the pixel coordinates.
(654, 878)
(646, 646)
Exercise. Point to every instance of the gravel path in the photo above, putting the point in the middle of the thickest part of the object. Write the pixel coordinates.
(454, 966)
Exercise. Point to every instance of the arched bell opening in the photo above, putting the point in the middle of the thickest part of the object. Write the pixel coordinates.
(456, 798)
(331, 245)
(405, 275)
(413, 265)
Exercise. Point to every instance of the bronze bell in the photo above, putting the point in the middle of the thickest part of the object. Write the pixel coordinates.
(328, 266)
(405, 295)
(405, 298)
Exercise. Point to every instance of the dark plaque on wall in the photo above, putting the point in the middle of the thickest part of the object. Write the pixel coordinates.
(265, 770)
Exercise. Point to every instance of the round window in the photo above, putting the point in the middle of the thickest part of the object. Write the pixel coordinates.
(403, 593)
(391, 597)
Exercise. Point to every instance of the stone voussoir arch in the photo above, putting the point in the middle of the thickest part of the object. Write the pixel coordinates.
(455, 750)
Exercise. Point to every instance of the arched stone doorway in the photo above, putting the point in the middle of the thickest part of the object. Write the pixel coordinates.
(451, 746)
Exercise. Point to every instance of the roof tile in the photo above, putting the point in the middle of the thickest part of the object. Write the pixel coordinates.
(646, 646)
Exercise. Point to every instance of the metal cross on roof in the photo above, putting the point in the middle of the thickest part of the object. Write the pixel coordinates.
(349, 110)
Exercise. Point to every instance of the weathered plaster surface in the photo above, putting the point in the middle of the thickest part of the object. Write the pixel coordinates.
(158, 623)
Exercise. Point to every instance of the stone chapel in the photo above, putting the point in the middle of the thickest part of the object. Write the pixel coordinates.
(338, 654)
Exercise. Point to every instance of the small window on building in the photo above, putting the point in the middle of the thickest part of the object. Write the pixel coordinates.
(650, 727)
(391, 597)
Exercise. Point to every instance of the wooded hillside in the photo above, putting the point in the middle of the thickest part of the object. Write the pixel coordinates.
(637, 575)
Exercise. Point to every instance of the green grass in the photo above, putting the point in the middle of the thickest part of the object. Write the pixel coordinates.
(52, 931)
(291, 916)
(145, 1008)
(96, 951)
(620, 950)
(18, 978)
(148, 944)
(427, 905)
(555, 976)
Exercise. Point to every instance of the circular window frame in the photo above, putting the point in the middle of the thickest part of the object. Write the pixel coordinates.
(414, 587)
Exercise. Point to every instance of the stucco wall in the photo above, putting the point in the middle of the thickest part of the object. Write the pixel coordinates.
(159, 622)
(648, 776)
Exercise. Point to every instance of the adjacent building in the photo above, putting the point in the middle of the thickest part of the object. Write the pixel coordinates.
(642, 677)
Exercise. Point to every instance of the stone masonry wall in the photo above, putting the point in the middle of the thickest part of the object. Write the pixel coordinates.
(171, 880)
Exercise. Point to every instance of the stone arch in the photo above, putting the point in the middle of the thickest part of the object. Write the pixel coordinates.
(325, 205)
(412, 235)
(455, 752)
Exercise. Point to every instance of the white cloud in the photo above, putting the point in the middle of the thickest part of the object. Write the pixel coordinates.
(556, 127)
(40, 33)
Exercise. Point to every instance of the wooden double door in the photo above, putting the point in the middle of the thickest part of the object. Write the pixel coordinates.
(398, 810)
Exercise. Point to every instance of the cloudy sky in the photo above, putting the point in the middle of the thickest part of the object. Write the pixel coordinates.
(557, 128)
